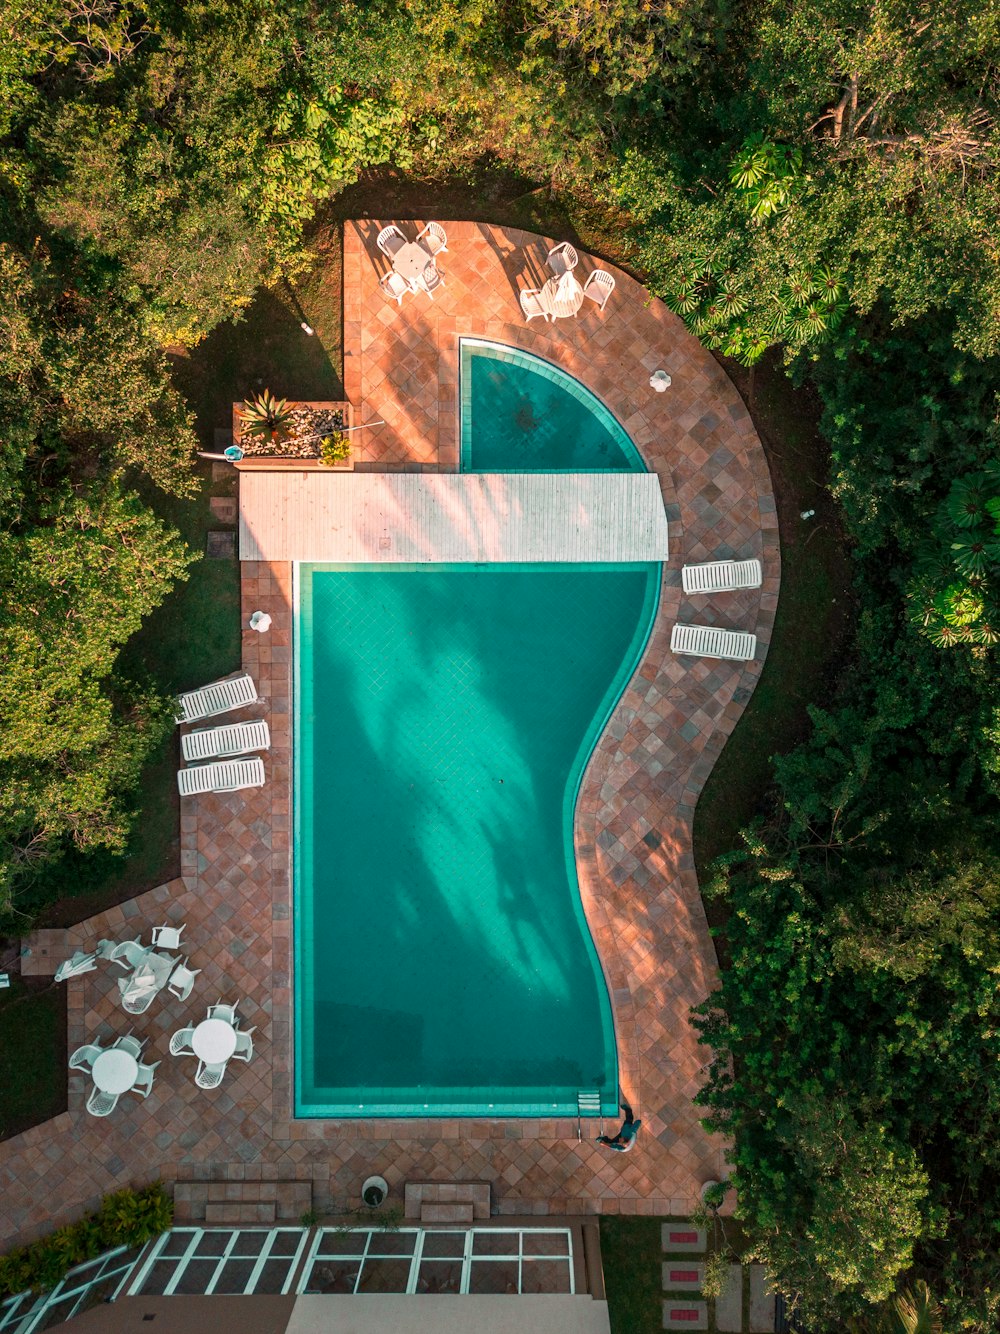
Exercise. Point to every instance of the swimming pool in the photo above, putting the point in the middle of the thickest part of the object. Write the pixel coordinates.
(444, 716)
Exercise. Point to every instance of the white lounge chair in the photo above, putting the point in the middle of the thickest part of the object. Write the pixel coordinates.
(244, 1045)
(563, 257)
(209, 1076)
(222, 1010)
(144, 1080)
(598, 287)
(180, 1043)
(100, 1103)
(219, 697)
(221, 776)
(395, 286)
(182, 980)
(208, 743)
(721, 576)
(130, 953)
(390, 239)
(434, 238)
(84, 1057)
(708, 641)
(532, 304)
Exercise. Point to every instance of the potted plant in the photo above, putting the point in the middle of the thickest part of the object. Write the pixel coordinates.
(265, 417)
(335, 450)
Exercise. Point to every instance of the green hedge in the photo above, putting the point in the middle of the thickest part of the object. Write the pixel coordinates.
(127, 1218)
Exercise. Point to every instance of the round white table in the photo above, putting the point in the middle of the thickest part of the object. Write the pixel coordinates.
(214, 1041)
(562, 296)
(411, 262)
(115, 1070)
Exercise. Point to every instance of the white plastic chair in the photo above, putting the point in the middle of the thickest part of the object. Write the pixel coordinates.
(244, 1045)
(227, 1013)
(131, 1044)
(209, 743)
(144, 1080)
(562, 258)
(531, 304)
(209, 1076)
(180, 1043)
(182, 980)
(394, 286)
(434, 237)
(218, 697)
(106, 949)
(598, 287)
(130, 953)
(167, 937)
(100, 1103)
(84, 1057)
(432, 279)
(221, 776)
(390, 239)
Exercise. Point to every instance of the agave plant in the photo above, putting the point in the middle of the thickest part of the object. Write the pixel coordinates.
(266, 416)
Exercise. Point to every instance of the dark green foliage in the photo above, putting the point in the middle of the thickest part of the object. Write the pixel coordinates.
(127, 1218)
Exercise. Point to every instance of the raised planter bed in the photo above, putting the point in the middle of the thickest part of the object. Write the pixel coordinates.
(315, 418)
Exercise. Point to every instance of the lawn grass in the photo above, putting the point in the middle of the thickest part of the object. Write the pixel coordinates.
(631, 1253)
(33, 1041)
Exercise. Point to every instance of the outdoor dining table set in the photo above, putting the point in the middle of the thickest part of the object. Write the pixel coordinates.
(562, 295)
(117, 1069)
(413, 262)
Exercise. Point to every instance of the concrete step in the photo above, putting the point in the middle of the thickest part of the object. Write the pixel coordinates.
(240, 1212)
(447, 1213)
(285, 1201)
(419, 1193)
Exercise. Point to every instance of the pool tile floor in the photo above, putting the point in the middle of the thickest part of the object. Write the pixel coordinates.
(633, 824)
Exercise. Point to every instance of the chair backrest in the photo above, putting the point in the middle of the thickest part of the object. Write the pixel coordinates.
(390, 239)
(138, 1002)
(599, 287)
(435, 237)
(244, 1045)
(130, 953)
(209, 1076)
(392, 284)
(130, 1044)
(221, 776)
(224, 1011)
(144, 1078)
(721, 576)
(708, 641)
(84, 1057)
(218, 697)
(100, 1103)
(181, 1041)
(230, 739)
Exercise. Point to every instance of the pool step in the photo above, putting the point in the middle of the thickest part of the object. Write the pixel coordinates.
(426, 1200)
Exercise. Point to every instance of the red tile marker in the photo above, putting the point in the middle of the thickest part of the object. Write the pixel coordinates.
(684, 1238)
(683, 1276)
(683, 1313)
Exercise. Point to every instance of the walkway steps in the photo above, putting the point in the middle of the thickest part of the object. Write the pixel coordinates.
(447, 1201)
(217, 1203)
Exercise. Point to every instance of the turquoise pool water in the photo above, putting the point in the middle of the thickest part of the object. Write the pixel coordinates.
(444, 716)
(445, 713)
(522, 414)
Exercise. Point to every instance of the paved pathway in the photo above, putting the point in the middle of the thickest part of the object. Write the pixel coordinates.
(633, 823)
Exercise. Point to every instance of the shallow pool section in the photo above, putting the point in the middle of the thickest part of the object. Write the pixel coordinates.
(444, 716)
(520, 413)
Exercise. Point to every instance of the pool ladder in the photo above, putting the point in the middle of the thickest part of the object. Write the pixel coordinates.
(588, 1103)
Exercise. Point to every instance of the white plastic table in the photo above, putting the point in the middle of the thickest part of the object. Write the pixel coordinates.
(214, 1041)
(563, 296)
(410, 262)
(115, 1070)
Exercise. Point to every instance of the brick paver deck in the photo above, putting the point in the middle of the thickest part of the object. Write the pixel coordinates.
(633, 823)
